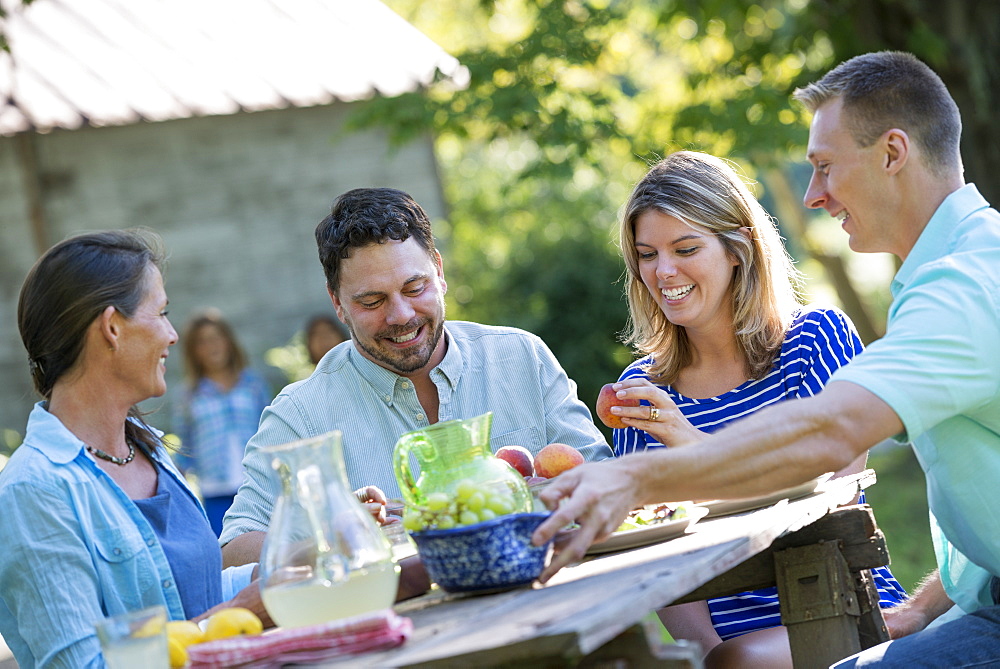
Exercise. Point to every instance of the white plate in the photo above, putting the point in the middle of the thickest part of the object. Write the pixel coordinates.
(651, 534)
(725, 507)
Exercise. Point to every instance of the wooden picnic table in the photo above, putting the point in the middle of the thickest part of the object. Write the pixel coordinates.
(592, 613)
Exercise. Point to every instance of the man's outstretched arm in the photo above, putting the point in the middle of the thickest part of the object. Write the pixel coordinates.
(775, 448)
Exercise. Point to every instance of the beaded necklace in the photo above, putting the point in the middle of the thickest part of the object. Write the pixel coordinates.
(121, 462)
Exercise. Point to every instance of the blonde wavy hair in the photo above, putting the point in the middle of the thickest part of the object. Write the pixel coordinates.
(708, 194)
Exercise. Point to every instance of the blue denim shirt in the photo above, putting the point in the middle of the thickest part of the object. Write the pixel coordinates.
(74, 549)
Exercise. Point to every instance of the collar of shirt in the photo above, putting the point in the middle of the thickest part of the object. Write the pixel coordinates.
(47, 435)
(386, 383)
(933, 242)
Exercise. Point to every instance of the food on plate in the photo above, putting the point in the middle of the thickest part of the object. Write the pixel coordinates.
(232, 621)
(469, 504)
(556, 458)
(519, 458)
(653, 514)
(608, 398)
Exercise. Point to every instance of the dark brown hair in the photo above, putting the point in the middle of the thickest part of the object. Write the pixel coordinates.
(365, 216)
(69, 286)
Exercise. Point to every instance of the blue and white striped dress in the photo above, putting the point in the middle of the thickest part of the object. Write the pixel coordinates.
(819, 340)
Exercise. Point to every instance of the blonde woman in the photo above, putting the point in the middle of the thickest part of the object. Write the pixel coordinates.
(715, 316)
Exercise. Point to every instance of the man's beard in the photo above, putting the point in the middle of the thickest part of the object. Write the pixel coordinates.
(403, 362)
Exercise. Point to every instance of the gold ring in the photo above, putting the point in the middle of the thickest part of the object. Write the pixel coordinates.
(654, 414)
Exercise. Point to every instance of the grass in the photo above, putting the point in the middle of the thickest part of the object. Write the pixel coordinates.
(899, 501)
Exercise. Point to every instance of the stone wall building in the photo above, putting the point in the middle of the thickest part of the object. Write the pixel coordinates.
(218, 124)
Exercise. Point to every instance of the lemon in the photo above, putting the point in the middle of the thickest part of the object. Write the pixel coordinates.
(180, 635)
(178, 653)
(186, 632)
(231, 622)
(151, 627)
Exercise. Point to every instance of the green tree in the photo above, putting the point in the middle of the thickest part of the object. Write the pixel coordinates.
(567, 104)
(568, 100)
(960, 40)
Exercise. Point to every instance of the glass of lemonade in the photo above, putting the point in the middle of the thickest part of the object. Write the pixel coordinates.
(135, 639)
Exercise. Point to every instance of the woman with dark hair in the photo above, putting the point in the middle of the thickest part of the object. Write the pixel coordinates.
(97, 521)
(217, 411)
(323, 332)
(714, 314)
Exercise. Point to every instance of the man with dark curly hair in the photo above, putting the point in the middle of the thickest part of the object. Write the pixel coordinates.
(408, 367)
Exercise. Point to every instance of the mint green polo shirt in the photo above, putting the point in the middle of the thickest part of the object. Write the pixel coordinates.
(938, 367)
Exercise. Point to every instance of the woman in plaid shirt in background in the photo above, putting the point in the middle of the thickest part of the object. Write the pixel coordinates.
(217, 412)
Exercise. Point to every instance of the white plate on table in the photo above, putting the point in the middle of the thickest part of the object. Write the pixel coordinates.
(651, 534)
(725, 507)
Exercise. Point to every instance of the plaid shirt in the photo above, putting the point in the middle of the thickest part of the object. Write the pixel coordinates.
(214, 426)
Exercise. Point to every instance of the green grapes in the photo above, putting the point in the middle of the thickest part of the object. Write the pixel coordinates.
(437, 501)
(470, 503)
(476, 501)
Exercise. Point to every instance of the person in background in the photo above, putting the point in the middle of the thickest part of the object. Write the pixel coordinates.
(407, 368)
(217, 410)
(712, 301)
(884, 146)
(97, 520)
(323, 332)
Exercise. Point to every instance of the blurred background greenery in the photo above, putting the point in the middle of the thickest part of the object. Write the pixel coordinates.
(899, 501)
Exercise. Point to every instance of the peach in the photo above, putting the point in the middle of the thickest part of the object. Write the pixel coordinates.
(556, 458)
(608, 398)
(519, 458)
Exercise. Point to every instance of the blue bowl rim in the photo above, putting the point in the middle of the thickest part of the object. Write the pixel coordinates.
(492, 522)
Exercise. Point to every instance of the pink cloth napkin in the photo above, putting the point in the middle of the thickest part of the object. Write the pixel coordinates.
(374, 631)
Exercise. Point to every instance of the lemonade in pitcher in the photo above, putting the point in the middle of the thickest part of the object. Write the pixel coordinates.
(324, 557)
(311, 602)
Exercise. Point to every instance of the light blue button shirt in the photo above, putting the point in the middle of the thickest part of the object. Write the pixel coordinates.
(75, 549)
(504, 370)
(938, 367)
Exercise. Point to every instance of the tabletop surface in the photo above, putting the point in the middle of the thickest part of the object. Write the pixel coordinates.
(587, 604)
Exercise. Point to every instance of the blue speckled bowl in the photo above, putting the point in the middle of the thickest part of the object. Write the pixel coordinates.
(493, 555)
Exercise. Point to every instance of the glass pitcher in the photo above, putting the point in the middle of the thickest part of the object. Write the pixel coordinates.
(454, 452)
(324, 557)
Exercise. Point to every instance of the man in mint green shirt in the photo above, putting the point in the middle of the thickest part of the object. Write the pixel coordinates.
(940, 373)
(884, 145)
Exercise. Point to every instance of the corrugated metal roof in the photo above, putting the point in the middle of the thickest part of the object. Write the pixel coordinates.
(115, 62)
